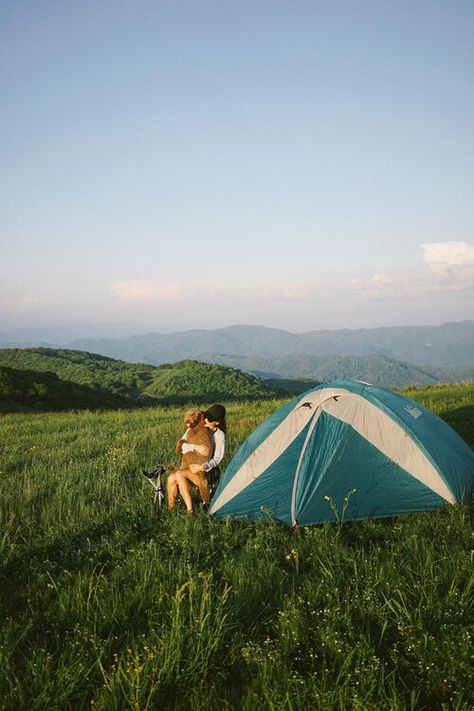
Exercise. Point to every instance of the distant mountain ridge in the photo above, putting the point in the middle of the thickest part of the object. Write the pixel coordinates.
(378, 370)
(384, 356)
(450, 345)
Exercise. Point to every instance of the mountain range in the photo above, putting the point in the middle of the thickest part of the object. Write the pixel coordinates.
(449, 345)
(412, 355)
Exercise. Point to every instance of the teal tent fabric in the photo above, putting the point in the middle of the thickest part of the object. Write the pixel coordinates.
(346, 450)
(356, 480)
(271, 492)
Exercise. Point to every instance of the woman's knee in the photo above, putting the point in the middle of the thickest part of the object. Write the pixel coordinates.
(182, 482)
(180, 476)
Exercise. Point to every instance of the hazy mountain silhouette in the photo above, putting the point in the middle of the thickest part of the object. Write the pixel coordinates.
(450, 345)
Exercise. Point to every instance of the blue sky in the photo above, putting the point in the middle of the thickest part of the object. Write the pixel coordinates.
(300, 165)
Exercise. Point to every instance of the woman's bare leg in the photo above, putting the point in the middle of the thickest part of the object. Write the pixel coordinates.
(171, 490)
(185, 478)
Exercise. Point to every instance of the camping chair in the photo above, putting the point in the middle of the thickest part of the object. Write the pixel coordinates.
(154, 477)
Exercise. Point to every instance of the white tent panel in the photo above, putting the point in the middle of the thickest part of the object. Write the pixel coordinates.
(274, 445)
(389, 438)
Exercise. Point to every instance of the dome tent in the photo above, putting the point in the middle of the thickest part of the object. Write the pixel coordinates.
(346, 447)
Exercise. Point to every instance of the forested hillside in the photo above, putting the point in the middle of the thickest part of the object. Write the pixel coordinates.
(379, 370)
(205, 382)
(50, 379)
(26, 390)
(60, 379)
(95, 371)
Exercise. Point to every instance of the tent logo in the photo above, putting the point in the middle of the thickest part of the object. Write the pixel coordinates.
(413, 411)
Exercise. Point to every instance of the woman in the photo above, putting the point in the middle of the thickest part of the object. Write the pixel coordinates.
(200, 474)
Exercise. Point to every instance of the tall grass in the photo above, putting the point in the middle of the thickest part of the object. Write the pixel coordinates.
(108, 603)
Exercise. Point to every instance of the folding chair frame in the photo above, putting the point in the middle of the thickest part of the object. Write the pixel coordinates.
(157, 485)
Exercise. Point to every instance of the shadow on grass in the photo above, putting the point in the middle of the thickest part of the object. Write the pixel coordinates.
(461, 420)
(99, 544)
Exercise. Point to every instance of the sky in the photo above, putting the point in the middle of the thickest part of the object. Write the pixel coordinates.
(293, 164)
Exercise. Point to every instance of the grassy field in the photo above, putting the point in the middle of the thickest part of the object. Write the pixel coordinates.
(107, 603)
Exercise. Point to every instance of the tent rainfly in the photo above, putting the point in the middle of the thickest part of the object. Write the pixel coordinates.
(346, 450)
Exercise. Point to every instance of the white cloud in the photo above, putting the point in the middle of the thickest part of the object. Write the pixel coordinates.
(146, 291)
(295, 293)
(376, 285)
(454, 259)
(382, 279)
(35, 301)
(450, 269)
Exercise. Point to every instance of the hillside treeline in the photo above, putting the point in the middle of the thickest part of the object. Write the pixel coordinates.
(197, 382)
(25, 390)
(48, 379)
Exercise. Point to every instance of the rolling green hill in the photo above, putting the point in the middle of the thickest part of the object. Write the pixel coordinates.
(26, 390)
(376, 369)
(60, 379)
(292, 386)
(50, 379)
(95, 371)
(191, 380)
